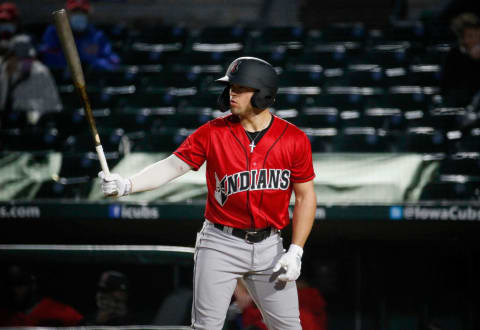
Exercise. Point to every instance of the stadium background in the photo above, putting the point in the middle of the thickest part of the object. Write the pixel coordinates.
(362, 79)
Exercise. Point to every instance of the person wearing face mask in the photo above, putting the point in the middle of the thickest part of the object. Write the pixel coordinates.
(462, 64)
(9, 25)
(26, 84)
(93, 46)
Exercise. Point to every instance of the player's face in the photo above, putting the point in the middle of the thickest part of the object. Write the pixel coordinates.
(471, 38)
(240, 97)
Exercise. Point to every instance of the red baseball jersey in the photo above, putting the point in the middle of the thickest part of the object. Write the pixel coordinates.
(249, 189)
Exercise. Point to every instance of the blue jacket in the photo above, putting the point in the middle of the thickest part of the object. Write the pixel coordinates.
(93, 47)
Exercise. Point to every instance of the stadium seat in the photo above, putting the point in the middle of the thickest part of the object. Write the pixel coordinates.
(470, 141)
(14, 119)
(364, 75)
(190, 117)
(332, 54)
(141, 119)
(361, 139)
(65, 188)
(165, 140)
(445, 118)
(355, 31)
(386, 118)
(289, 38)
(407, 97)
(144, 99)
(452, 188)
(99, 98)
(289, 100)
(461, 163)
(321, 139)
(277, 56)
(302, 77)
(289, 114)
(413, 31)
(71, 122)
(30, 139)
(122, 76)
(425, 75)
(346, 97)
(112, 139)
(423, 140)
(161, 81)
(320, 117)
(395, 54)
(433, 54)
(85, 164)
(223, 34)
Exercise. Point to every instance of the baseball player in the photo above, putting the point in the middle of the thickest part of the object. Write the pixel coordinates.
(254, 161)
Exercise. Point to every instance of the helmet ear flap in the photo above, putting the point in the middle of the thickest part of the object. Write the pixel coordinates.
(262, 99)
(223, 100)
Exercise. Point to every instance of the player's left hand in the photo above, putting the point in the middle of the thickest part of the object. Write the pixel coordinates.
(291, 262)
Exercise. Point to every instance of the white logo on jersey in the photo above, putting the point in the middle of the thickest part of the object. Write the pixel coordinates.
(263, 179)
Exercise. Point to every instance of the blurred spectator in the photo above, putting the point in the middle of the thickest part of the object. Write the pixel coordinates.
(9, 26)
(311, 302)
(176, 308)
(26, 84)
(462, 65)
(111, 301)
(93, 46)
(26, 307)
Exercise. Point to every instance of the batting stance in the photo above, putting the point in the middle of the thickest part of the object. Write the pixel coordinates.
(254, 161)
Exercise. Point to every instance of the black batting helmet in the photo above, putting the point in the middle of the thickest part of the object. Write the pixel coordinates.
(254, 73)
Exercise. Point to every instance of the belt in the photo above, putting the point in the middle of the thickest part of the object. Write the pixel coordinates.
(251, 236)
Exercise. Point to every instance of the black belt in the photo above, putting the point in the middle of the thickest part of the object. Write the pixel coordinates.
(251, 236)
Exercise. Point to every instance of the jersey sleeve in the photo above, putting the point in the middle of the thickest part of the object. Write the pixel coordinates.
(193, 150)
(302, 166)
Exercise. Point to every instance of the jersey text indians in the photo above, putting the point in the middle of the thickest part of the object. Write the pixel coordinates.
(261, 179)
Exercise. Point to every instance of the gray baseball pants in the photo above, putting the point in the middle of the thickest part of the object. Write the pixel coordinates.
(220, 260)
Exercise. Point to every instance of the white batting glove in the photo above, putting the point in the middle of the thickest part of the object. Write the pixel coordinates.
(115, 185)
(291, 262)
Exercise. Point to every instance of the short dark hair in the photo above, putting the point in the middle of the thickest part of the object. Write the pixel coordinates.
(464, 21)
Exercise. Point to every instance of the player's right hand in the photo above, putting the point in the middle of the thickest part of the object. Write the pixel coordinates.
(114, 185)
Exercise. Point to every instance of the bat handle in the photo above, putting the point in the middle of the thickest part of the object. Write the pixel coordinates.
(103, 164)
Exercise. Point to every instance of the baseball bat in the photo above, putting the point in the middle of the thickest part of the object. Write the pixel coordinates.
(69, 47)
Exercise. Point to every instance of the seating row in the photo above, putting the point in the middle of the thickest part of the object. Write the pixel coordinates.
(350, 139)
